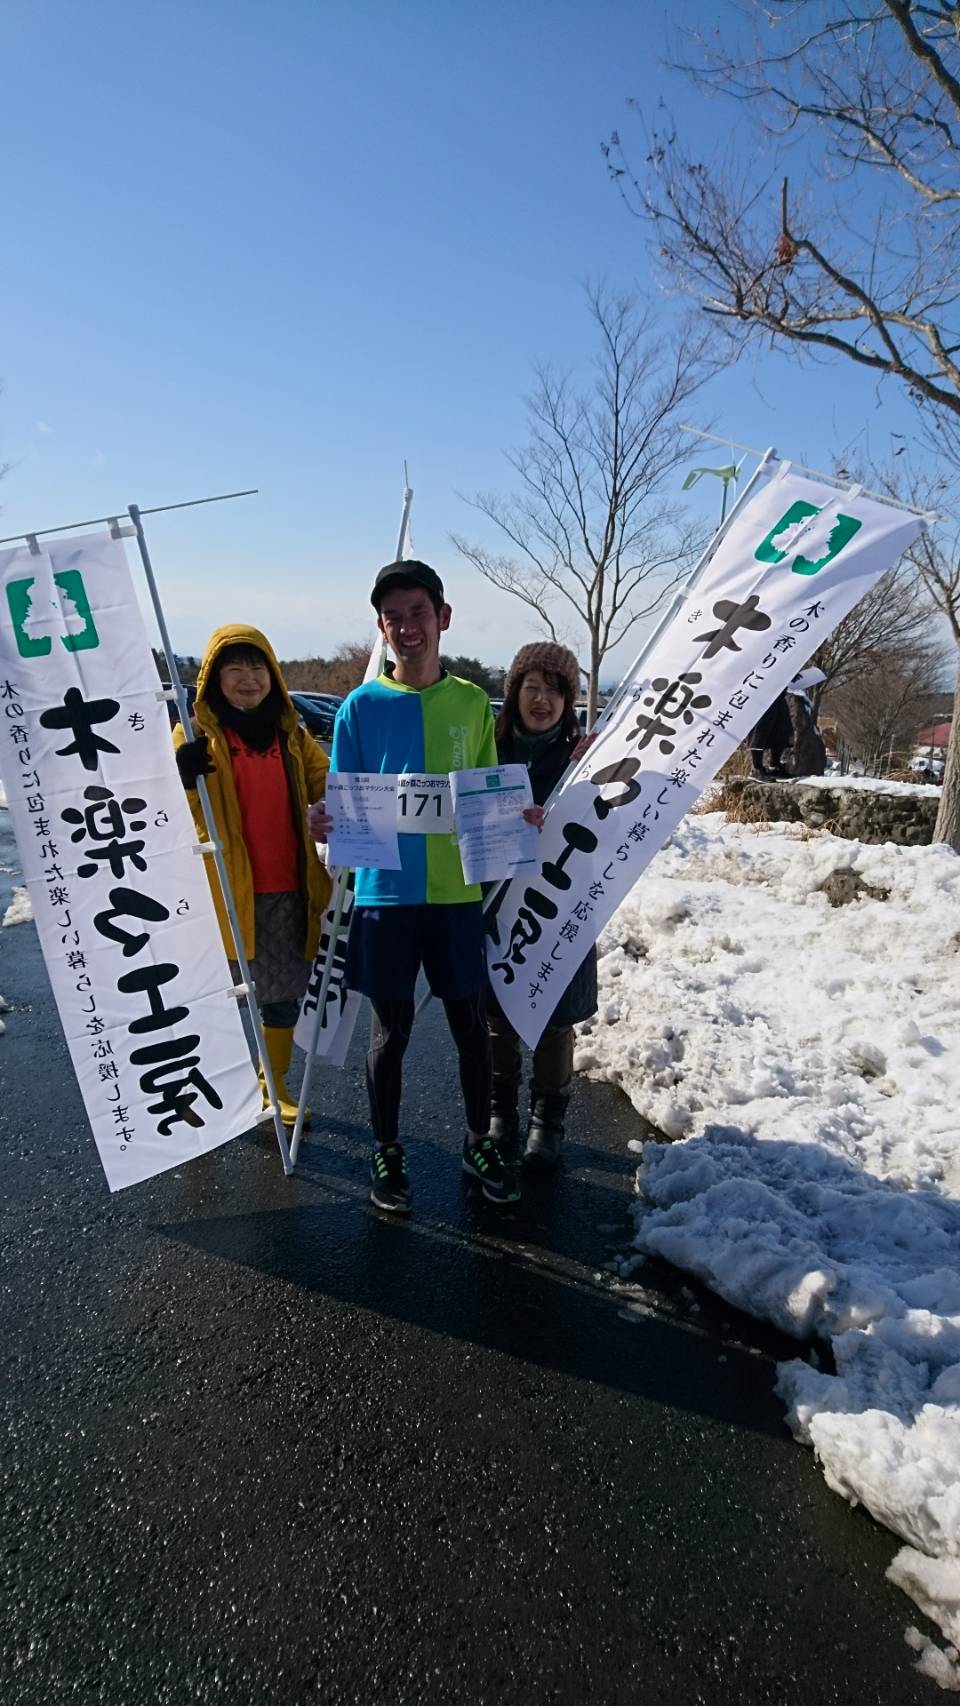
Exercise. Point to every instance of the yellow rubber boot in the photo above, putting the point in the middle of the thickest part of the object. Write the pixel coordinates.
(279, 1043)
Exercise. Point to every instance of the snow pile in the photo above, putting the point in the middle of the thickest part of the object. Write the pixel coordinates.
(939, 1665)
(812, 1054)
(872, 784)
(932, 1583)
(20, 910)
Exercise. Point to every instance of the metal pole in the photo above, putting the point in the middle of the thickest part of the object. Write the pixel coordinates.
(101, 520)
(339, 896)
(842, 484)
(679, 598)
(216, 849)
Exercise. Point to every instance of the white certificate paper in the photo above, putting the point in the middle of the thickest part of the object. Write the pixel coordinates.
(494, 840)
(363, 806)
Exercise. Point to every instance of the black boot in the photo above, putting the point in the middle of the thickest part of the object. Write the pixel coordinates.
(504, 1118)
(757, 766)
(545, 1132)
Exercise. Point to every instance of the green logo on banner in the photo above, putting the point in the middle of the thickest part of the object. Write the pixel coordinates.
(841, 534)
(29, 622)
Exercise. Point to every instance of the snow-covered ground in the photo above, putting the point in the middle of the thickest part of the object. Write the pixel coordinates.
(810, 1056)
(874, 784)
(20, 910)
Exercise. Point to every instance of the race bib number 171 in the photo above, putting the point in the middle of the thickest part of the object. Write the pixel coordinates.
(424, 805)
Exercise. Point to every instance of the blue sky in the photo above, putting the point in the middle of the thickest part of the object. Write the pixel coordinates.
(289, 243)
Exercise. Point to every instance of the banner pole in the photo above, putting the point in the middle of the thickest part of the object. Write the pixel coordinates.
(699, 568)
(215, 846)
(339, 896)
(340, 890)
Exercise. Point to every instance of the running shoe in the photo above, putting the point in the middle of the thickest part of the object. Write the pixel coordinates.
(483, 1162)
(389, 1185)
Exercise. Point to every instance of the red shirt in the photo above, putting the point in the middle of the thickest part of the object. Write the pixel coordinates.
(269, 831)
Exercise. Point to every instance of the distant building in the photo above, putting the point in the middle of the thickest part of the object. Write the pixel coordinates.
(933, 739)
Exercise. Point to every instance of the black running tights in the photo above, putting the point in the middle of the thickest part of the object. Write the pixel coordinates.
(389, 1036)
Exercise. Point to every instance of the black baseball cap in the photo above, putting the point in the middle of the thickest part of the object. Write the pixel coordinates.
(407, 572)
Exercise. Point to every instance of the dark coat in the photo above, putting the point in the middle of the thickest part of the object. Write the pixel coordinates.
(549, 761)
(774, 730)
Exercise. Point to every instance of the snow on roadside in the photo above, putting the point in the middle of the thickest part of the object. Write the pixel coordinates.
(20, 910)
(873, 785)
(811, 1056)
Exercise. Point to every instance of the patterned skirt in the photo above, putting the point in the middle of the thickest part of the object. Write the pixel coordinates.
(278, 969)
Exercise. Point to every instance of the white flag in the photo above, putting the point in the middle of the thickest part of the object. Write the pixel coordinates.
(122, 905)
(797, 557)
(342, 1005)
(406, 535)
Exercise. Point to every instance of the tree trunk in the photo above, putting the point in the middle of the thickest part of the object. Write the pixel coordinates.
(948, 817)
(592, 681)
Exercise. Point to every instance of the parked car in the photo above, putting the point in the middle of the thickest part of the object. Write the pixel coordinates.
(932, 768)
(317, 712)
(496, 706)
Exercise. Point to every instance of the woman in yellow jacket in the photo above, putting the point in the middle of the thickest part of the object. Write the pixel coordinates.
(263, 772)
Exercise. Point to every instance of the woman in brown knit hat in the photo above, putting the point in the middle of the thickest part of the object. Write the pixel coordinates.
(538, 727)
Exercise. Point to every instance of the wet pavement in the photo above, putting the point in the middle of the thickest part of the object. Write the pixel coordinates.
(263, 1444)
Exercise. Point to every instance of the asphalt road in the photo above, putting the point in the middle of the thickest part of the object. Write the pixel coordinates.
(264, 1445)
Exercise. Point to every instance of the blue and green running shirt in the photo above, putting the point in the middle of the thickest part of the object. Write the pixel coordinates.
(384, 727)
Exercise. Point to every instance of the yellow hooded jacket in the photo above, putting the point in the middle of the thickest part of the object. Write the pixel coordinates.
(307, 766)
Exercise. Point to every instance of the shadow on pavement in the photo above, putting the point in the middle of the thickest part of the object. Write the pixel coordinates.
(526, 1283)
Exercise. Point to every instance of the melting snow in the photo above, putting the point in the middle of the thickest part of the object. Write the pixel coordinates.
(810, 1057)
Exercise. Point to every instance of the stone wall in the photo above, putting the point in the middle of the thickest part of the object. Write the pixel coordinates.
(858, 814)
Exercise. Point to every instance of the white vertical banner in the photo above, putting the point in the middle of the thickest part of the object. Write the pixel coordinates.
(341, 1005)
(121, 901)
(799, 555)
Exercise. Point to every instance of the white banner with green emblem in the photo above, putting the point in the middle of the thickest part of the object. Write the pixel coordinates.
(121, 901)
(794, 560)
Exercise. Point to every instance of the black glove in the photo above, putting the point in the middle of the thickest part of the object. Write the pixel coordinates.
(193, 760)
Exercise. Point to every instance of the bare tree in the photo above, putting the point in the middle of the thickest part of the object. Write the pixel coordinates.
(339, 674)
(594, 541)
(863, 262)
(879, 708)
(862, 266)
(892, 620)
(487, 676)
(936, 556)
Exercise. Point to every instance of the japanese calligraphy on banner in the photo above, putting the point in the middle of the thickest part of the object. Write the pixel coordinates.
(795, 559)
(121, 902)
(342, 1004)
